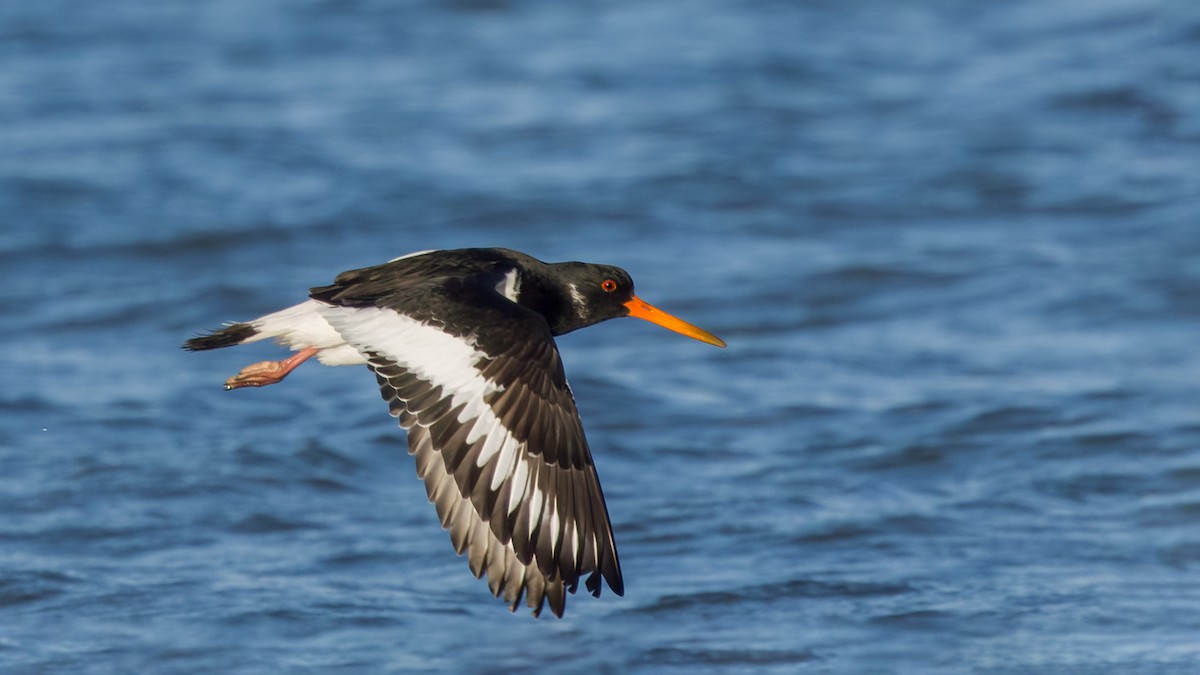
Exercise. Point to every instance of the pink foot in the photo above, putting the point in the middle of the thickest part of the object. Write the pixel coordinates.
(268, 372)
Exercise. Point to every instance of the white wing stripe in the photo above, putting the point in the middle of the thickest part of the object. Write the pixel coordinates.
(508, 453)
(504, 465)
(554, 523)
(432, 355)
(476, 409)
(481, 425)
(537, 500)
(519, 484)
(496, 439)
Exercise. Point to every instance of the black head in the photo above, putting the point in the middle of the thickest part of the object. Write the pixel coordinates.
(595, 293)
(591, 293)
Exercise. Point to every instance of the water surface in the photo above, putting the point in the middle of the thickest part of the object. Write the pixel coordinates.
(953, 248)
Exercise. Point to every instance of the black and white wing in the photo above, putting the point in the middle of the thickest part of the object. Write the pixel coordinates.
(494, 430)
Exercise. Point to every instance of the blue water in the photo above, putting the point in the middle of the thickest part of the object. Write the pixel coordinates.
(954, 248)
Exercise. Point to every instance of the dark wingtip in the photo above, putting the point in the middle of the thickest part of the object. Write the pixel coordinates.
(234, 334)
(611, 570)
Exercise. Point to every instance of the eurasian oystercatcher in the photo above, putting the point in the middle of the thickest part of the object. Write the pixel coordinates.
(462, 345)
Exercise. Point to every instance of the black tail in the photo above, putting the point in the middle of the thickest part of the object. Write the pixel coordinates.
(234, 334)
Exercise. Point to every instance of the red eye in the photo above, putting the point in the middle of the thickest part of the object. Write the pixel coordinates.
(608, 285)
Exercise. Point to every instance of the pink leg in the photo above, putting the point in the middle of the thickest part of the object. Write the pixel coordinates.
(268, 372)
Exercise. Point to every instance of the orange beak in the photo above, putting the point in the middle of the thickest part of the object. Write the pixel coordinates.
(641, 310)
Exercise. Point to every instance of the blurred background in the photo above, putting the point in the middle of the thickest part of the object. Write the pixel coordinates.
(953, 247)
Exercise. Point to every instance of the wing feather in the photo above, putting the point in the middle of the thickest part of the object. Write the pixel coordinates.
(497, 440)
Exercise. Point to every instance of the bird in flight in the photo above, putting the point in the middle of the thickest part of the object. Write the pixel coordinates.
(461, 343)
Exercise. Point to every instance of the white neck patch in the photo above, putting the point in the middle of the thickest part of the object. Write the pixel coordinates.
(577, 299)
(510, 285)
